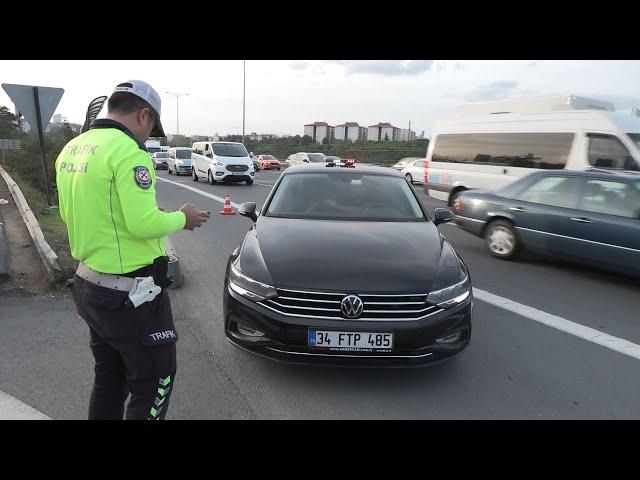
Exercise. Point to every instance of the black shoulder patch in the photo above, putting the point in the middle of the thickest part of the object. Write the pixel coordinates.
(142, 177)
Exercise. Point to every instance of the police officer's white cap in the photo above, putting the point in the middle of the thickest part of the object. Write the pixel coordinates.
(148, 94)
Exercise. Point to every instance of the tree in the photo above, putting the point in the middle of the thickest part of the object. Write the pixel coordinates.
(386, 137)
(9, 127)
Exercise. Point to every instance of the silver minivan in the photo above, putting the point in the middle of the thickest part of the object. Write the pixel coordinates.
(179, 161)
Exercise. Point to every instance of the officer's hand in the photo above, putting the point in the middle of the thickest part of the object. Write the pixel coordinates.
(195, 218)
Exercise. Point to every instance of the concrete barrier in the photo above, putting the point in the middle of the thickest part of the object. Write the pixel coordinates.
(48, 256)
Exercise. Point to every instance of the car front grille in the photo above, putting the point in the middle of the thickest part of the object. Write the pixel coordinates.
(237, 168)
(326, 305)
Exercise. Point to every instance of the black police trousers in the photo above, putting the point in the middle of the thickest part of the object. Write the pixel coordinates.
(134, 351)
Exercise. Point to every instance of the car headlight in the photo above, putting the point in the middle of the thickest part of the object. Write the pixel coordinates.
(248, 287)
(453, 295)
(219, 164)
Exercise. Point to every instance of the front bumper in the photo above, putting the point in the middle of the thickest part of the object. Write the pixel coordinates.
(285, 337)
(183, 169)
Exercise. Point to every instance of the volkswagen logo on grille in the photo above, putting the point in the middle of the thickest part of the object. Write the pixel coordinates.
(351, 306)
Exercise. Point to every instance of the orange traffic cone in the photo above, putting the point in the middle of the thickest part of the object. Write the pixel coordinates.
(227, 210)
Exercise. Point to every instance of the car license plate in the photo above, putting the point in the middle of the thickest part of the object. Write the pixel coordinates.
(365, 341)
(237, 173)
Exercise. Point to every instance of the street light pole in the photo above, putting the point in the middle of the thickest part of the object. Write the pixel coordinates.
(177, 95)
(244, 83)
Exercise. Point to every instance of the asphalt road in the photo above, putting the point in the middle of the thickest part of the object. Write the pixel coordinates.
(515, 368)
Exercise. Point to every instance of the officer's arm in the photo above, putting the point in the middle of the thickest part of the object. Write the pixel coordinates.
(142, 216)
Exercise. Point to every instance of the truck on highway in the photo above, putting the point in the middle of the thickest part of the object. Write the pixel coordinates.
(153, 146)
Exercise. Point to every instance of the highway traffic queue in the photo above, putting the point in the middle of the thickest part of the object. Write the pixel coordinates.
(317, 278)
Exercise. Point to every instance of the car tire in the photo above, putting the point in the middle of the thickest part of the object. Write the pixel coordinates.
(409, 178)
(210, 178)
(194, 175)
(502, 240)
(278, 168)
(249, 182)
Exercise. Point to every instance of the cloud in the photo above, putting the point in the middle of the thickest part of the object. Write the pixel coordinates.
(493, 91)
(299, 65)
(385, 67)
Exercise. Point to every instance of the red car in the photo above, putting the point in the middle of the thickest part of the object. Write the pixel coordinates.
(267, 162)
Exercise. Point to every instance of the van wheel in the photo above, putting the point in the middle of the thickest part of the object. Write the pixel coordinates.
(249, 182)
(210, 178)
(194, 175)
(409, 178)
(501, 239)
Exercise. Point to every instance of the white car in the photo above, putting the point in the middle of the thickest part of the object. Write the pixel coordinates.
(223, 162)
(414, 172)
(304, 157)
(179, 161)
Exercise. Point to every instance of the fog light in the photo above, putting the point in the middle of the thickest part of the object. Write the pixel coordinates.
(252, 173)
(452, 338)
(248, 331)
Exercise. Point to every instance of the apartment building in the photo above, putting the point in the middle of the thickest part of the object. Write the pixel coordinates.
(319, 131)
(407, 135)
(351, 131)
(383, 131)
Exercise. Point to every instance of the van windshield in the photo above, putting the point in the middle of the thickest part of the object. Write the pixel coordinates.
(183, 154)
(230, 150)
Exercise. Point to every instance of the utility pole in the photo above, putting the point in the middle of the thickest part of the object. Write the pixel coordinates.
(177, 95)
(244, 83)
(409, 133)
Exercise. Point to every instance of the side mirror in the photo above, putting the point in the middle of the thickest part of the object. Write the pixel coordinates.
(443, 215)
(209, 155)
(248, 209)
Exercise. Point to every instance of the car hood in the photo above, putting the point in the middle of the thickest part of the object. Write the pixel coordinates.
(343, 256)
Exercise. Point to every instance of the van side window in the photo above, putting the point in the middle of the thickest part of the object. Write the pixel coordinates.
(607, 151)
(524, 150)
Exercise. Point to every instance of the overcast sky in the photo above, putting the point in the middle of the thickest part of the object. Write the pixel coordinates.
(281, 95)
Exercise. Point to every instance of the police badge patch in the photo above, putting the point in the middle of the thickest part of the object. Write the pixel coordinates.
(142, 177)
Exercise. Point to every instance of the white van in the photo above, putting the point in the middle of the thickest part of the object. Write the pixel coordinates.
(179, 160)
(222, 161)
(306, 157)
(488, 145)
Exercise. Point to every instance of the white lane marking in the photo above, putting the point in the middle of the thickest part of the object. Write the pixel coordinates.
(263, 184)
(197, 190)
(590, 334)
(13, 409)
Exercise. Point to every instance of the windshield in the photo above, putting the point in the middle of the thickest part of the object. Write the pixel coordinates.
(345, 196)
(183, 154)
(161, 155)
(230, 150)
(153, 149)
(316, 157)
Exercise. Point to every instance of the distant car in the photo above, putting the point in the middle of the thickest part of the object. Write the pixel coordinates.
(268, 162)
(591, 217)
(179, 161)
(414, 171)
(304, 157)
(399, 165)
(333, 159)
(256, 164)
(160, 160)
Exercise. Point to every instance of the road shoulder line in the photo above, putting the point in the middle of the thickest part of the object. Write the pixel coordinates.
(617, 344)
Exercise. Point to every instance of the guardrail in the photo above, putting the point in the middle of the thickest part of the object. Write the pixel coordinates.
(48, 256)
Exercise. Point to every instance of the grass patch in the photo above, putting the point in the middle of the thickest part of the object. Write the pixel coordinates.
(53, 228)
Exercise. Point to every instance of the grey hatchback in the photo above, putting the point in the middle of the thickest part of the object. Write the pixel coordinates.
(592, 217)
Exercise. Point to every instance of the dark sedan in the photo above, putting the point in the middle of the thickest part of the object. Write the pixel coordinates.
(590, 217)
(318, 278)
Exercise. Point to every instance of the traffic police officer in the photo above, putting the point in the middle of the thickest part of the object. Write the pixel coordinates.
(107, 199)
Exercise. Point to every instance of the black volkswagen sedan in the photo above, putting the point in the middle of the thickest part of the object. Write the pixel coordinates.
(590, 217)
(319, 277)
